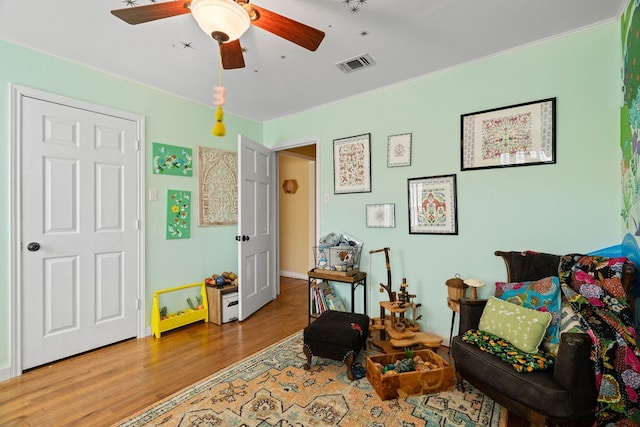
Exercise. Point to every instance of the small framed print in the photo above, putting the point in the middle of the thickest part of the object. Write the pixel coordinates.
(399, 150)
(381, 216)
(433, 205)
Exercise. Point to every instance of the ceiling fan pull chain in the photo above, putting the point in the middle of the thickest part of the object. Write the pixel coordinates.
(219, 98)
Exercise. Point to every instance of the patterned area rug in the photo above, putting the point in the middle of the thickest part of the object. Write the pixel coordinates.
(271, 388)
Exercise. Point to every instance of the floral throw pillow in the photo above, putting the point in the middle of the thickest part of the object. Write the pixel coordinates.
(541, 295)
(519, 360)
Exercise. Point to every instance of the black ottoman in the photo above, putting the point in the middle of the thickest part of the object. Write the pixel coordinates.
(336, 335)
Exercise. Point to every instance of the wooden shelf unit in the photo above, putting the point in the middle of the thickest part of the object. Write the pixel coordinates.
(354, 278)
(214, 298)
(181, 318)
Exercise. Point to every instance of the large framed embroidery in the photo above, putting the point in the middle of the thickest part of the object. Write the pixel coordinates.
(352, 164)
(217, 187)
(432, 205)
(517, 135)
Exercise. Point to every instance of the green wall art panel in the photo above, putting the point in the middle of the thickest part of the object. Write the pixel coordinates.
(172, 160)
(178, 214)
(630, 121)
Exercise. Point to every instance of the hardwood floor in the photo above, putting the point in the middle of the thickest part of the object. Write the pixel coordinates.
(104, 386)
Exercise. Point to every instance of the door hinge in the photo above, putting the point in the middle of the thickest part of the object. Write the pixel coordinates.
(137, 145)
(138, 224)
(138, 303)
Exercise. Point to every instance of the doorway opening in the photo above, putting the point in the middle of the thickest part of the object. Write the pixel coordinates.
(297, 209)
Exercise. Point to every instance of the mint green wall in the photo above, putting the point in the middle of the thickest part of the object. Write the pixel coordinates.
(573, 205)
(170, 120)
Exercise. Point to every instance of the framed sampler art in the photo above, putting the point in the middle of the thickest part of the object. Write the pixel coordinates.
(352, 164)
(381, 216)
(399, 150)
(433, 205)
(517, 135)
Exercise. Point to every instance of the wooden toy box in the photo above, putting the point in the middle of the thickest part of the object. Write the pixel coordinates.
(392, 385)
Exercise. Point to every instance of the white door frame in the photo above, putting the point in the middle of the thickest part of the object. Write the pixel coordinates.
(311, 140)
(18, 93)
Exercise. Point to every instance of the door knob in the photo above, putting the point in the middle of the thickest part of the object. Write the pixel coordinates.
(238, 238)
(245, 238)
(33, 246)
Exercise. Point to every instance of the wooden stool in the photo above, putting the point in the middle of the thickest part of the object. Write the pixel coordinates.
(336, 335)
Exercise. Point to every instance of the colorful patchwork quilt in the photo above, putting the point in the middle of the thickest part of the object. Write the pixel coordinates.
(593, 286)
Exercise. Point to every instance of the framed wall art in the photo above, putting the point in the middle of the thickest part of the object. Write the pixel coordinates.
(381, 216)
(433, 205)
(217, 187)
(517, 135)
(399, 150)
(172, 160)
(352, 164)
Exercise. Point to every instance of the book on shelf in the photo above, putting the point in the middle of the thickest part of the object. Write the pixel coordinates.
(325, 299)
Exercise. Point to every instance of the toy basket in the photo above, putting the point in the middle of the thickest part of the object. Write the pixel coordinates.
(336, 258)
(338, 252)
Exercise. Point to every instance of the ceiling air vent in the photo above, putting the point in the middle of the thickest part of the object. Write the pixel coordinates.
(356, 63)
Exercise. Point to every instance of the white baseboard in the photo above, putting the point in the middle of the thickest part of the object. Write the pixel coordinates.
(293, 275)
(5, 374)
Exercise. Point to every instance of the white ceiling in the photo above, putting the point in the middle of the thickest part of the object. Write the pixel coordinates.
(406, 39)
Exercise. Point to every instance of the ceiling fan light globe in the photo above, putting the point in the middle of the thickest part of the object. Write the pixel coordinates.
(221, 16)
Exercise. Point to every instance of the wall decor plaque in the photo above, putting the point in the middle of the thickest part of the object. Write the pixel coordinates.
(217, 187)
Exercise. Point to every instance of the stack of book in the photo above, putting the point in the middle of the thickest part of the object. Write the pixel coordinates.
(323, 298)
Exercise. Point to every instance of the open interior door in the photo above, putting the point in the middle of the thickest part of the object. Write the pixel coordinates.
(257, 283)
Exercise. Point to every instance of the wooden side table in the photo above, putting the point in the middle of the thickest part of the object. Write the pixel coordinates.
(214, 299)
(356, 279)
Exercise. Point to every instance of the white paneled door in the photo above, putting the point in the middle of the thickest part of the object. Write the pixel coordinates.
(80, 230)
(256, 227)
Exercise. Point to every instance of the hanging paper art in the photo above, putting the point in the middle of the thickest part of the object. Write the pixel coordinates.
(178, 214)
(172, 160)
(217, 187)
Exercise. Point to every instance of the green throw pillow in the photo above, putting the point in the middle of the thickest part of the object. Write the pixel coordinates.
(523, 327)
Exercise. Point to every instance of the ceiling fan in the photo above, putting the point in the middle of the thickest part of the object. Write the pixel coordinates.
(226, 21)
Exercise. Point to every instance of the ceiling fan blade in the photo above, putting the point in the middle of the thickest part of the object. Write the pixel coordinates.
(296, 32)
(231, 53)
(151, 12)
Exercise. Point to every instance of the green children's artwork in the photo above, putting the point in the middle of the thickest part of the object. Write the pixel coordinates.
(172, 160)
(178, 214)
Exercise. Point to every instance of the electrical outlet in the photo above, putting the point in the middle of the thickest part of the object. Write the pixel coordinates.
(153, 194)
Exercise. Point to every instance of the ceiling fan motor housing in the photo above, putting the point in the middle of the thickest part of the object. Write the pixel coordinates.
(223, 20)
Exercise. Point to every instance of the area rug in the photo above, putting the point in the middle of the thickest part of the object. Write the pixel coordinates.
(271, 388)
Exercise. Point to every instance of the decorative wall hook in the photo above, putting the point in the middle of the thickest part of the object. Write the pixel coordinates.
(290, 186)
